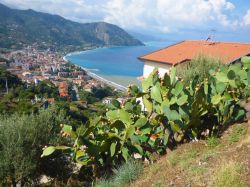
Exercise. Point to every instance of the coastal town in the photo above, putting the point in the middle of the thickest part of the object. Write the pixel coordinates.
(114, 93)
(33, 66)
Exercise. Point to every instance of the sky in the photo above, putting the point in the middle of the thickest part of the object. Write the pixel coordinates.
(227, 20)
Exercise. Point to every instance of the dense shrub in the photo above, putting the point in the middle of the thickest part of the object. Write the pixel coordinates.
(20, 96)
(21, 140)
(88, 97)
(199, 66)
(246, 60)
(123, 175)
(102, 92)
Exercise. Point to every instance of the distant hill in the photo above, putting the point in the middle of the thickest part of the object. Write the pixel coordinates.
(26, 27)
(144, 37)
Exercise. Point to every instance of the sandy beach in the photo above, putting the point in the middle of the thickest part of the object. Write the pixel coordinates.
(124, 81)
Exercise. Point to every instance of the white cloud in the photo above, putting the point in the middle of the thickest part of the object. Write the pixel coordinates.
(230, 6)
(167, 15)
(77, 10)
(159, 15)
(246, 19)
(127, 14)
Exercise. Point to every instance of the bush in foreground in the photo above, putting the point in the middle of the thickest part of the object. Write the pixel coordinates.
(199, 66)
(123, 175)
(21, 140)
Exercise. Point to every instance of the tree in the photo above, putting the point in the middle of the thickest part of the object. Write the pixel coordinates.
(21, 140)
(103, 92)
(12, 80)
(88, 97)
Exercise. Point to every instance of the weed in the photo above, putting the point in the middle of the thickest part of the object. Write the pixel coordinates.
(157, 184)
(173, 159)
(213, 142)
(207, 155)
(105, 183)
(127, 173)
(197, 169)
(154, 168)
(188, 157)
(228, 174)
(236, 134)
(124, 175)
(184, 159)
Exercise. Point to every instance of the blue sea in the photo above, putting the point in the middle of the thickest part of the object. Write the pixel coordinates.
(116, 64)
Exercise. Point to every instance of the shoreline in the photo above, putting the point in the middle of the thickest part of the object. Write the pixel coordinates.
(77, 52)
(93, 75)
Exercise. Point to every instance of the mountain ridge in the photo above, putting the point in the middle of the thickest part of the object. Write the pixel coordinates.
(26, 27)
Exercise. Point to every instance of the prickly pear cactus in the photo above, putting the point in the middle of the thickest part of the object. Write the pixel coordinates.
(162, 113)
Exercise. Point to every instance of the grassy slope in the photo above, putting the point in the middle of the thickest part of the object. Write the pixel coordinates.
(214, 162)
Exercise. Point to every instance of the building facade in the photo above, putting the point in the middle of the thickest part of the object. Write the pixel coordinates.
(183, 52)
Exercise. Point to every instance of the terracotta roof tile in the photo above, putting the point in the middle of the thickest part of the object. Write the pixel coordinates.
(187, 50)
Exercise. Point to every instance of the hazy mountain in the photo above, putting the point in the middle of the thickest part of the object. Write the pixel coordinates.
(20, 27)
(144, 37)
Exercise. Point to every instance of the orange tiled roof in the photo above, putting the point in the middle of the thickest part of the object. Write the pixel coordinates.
(63, 85)
(51, 100)
(187, 50)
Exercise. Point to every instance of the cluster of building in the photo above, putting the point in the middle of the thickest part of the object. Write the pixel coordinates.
(33, 66)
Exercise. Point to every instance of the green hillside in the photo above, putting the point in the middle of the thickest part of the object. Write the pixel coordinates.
(21, 27)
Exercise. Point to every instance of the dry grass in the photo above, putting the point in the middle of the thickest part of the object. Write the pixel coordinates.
(229, 174)
(214, 162)
(237, 133)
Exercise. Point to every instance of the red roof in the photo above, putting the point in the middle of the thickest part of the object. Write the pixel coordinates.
(51, 100)
(63, 85)
(187, 50)
(63, 89)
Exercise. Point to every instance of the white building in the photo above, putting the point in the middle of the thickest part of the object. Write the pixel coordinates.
(180, 53)
(150, 65)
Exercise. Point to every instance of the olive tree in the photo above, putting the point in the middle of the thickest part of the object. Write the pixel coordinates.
(21, 140)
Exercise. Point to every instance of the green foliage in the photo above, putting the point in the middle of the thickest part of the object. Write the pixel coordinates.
(246, 61)
(235, 136)
(12, 80)
(127, 173)
(21, 140)
(45, 89)
(97, 94)
(105, 183)
(20, 96)
(102, 92)
(213, 141)
(199, 66)
(88, 97)
(124, 175)
(171, 112)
